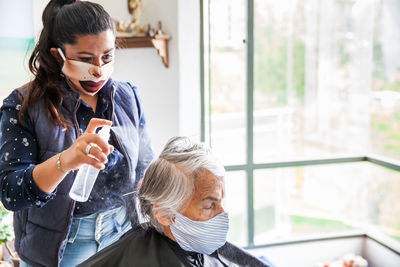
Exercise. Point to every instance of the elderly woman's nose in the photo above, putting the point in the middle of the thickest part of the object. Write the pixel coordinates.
(221, 209)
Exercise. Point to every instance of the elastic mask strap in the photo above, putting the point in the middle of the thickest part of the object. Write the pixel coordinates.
(61, 53)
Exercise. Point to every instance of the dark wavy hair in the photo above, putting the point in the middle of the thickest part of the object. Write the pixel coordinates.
(63, 21)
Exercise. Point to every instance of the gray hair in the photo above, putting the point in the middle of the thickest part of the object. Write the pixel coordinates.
(169, 180)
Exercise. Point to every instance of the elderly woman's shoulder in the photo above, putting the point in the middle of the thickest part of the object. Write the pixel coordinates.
(239, 256)
(137, 247)
(139, 234)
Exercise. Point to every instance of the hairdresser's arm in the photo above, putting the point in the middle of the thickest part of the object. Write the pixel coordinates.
(19, 187)
(18, 154)
(47, 175)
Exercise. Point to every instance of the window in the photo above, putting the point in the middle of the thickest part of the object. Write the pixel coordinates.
(301, 99)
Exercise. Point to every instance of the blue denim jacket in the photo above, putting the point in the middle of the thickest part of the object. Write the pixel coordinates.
(42, 221)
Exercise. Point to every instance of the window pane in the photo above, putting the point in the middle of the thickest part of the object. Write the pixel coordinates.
(312, 76)
(228, 80)
(319, 199)
(236, 204)
(385, 113)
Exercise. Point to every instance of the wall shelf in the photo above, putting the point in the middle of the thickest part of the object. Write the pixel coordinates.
(159, 42)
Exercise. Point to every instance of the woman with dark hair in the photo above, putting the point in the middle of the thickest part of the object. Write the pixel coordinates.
(48, 131)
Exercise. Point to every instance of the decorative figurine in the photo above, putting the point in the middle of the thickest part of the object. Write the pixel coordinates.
(159, 30)
(132, 26)
(135, 9)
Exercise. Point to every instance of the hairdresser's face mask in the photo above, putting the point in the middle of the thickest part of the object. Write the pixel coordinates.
(200, 236)
(91, 77)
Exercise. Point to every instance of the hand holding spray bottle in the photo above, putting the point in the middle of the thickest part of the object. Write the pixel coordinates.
(87, 174)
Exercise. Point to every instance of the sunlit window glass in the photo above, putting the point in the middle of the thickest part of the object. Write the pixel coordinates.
(312, 78)
(228, 80)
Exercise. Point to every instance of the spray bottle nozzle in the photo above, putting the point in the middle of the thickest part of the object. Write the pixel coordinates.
(104, 133)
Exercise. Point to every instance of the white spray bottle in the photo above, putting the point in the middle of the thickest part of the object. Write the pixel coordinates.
(87, 174)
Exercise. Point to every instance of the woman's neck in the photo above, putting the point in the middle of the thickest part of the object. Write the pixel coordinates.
(91, 100)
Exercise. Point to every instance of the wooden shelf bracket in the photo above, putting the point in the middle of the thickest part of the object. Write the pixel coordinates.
(158, 42)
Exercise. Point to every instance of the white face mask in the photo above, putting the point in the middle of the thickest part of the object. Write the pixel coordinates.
(201, 236)
(82, 71)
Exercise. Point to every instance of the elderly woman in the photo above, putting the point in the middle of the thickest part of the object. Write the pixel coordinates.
(181, 198)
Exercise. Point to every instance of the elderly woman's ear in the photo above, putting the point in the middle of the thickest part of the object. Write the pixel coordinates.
(161, 218)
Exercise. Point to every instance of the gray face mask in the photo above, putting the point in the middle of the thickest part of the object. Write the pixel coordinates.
(202, 237)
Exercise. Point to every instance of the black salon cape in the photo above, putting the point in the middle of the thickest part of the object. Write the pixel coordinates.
(140, 247)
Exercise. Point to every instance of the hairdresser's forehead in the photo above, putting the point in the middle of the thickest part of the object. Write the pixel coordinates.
(92, 43)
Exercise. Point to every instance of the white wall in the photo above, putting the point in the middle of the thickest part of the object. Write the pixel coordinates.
(16, 28)
(309, 254)
(171, 96)
(189, 62)
(38, 6)
(378, 255)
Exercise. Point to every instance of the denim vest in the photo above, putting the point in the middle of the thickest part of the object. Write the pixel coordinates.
(41, 233)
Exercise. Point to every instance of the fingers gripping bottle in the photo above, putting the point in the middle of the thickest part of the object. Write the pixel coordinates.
(87, 174)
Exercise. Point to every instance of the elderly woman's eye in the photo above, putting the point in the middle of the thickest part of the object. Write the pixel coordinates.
(210, 206)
